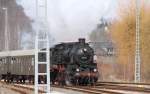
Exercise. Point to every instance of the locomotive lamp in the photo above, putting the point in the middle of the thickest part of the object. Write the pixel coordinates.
(84, 49)
(77, 70)
(95, 70)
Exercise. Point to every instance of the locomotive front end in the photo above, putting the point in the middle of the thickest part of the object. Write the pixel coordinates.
(86, 70)
(74, 64)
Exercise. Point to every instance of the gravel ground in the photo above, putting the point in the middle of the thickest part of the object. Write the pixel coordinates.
(4, 90)
(7, 91)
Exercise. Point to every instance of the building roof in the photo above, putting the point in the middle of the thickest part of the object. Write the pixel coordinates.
(17, 53)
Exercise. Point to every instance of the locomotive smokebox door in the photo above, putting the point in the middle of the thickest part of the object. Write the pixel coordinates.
(82, 40)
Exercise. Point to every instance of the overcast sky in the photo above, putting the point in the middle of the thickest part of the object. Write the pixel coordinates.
(71, 19)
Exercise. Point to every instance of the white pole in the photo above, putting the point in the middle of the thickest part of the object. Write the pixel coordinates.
(36, 57)
(36, 66)
(137, 52)
(6, 29)
(42, 37)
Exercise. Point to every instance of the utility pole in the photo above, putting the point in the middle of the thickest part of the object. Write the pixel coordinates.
(6, 30)
(42, 41)
(137, 51)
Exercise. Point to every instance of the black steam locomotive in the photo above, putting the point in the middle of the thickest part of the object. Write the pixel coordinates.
(72, 63)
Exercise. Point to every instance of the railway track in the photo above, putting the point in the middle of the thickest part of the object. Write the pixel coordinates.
(120, 83)
(140, 87)
(88, 90)
(99, 88)
(112, 88)
(13, 88)
(21, 89)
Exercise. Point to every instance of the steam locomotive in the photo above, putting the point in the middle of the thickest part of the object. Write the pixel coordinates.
(70, 64)
(73, 63)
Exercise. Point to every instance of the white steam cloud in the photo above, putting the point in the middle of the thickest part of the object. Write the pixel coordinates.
(71, 19)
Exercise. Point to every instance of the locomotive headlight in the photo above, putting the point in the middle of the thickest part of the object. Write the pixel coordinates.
(77, 70)
(85, 49)
(95, 70)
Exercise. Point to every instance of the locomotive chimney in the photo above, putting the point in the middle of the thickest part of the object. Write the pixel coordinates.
(82, 40)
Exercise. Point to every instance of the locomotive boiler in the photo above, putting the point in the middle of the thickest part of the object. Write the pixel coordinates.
(72, 63)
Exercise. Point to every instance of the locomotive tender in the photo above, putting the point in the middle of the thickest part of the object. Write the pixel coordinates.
(70, 63)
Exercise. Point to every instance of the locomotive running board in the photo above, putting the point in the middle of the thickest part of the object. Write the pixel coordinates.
(42, 41)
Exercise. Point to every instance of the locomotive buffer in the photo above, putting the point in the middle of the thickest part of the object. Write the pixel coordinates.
(42, 41)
